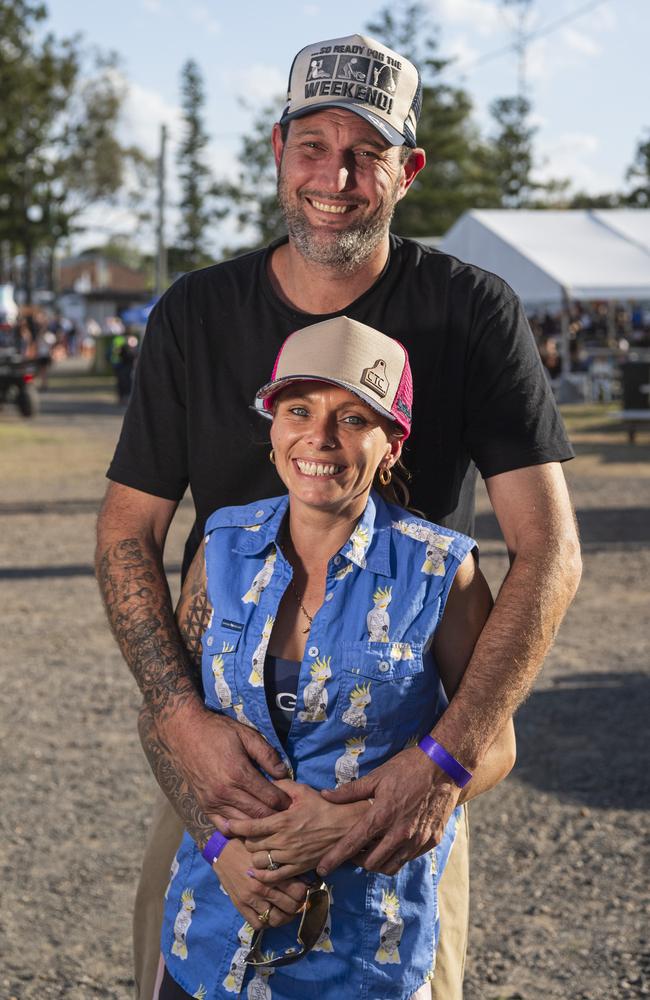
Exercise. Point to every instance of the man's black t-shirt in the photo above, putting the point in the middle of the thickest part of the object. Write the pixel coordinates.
(480, 393)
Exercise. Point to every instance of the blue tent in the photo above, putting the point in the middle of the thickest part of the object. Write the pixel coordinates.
(138, 315)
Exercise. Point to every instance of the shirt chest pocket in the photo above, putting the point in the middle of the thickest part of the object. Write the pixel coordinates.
(380, 681)
(220, 647)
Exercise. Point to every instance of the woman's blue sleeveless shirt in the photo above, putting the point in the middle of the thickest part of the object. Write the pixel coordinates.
(368, 688)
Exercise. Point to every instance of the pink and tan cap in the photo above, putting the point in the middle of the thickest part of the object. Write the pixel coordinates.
(350, 354)
(361, 75)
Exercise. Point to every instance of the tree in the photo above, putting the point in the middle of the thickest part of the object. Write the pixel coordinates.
(459, 173)
(253, 198)
(58, 148)
(198, 189)
(639, 173)
(513, 151)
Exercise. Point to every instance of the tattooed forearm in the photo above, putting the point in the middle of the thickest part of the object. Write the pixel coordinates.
(171, 780)
(133, 585)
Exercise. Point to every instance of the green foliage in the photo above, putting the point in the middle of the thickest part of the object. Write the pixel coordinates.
(198, 206)
(253, 199)
(459, 172)
(58, 148)
(639, 174)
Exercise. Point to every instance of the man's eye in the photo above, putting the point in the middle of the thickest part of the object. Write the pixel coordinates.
(366, 154)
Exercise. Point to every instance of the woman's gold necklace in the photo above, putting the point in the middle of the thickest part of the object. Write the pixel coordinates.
(310, 618)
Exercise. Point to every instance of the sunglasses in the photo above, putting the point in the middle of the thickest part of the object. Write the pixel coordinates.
(313, 918)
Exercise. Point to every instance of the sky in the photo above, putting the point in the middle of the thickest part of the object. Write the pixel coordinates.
(587, 71)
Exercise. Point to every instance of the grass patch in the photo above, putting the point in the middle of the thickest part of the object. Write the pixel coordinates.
(585, 418)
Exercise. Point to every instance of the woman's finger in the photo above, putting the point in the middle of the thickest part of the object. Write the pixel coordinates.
(260, 858)
(274, 878)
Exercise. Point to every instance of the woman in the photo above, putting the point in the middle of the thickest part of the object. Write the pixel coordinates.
(326, 634)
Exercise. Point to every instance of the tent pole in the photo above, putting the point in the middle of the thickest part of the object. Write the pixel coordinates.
(565, 352)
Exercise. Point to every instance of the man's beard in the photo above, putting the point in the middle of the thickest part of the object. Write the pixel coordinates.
(344, 250)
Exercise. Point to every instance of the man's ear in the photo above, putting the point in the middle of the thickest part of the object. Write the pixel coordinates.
(411, 168)
(277, 143)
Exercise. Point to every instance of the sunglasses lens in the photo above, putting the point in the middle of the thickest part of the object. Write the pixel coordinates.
(314, 918)
(312, 925)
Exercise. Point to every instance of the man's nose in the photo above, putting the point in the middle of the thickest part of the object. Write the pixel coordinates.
(337, 173)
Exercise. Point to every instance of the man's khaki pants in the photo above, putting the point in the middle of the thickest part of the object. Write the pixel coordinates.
(162, 843)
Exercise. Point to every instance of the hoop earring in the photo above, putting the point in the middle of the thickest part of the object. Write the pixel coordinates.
(385, 476)
(272, 456)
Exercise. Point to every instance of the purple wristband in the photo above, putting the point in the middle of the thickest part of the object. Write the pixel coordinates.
(444, 760)
(214, 847)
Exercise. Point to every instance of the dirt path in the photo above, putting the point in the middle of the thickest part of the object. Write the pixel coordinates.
(557, 898)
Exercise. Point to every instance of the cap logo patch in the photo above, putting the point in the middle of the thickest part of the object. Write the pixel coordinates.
(354, 72)
(375, 378)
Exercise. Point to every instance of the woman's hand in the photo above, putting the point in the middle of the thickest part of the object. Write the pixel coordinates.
(298, 836)
(252, 898)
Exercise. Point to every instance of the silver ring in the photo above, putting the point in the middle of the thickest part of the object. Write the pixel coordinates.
(272, 865)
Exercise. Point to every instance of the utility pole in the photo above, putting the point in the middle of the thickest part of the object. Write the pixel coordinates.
(522, 9)
(161, 250)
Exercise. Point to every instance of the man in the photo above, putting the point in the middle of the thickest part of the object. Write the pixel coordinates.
(346, 154)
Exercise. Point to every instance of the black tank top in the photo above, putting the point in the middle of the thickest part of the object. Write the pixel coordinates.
(280, 686)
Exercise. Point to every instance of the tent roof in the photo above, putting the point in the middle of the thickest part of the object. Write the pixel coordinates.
(546, 255)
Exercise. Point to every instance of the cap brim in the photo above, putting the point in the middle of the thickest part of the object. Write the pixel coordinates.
(388, 132)
(271, 388)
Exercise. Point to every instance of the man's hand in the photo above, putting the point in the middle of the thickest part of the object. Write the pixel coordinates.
(217, 757)
(413, 800)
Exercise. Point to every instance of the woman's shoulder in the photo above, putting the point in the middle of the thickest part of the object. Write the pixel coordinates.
(407, 525)
(250, 516)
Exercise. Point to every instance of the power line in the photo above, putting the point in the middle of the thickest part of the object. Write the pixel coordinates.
(533, 35)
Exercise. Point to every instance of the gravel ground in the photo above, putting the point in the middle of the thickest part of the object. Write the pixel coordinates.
(557, 851)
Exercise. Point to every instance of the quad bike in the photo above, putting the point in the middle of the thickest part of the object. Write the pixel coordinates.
(17, 382)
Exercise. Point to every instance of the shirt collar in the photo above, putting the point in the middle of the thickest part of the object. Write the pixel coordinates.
(367, 547)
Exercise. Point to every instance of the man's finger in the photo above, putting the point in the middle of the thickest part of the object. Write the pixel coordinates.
(262, 753)
(254, 828)
(237, 800)
(354, 841)
(389, 852)
(353, 791)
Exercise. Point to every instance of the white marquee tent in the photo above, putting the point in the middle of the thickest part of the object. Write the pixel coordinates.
(551, 257)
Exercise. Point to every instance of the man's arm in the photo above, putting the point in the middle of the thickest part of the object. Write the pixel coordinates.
(536, 518)
(214, 755)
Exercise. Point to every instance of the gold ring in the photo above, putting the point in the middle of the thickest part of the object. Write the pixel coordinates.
(272, 865)
(264, 917)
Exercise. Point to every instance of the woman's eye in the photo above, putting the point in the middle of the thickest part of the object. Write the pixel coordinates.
(299, 411)
(352, 418)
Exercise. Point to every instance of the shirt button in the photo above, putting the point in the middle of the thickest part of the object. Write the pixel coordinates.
(313, 650)
(329, 597)
(337, 560)
(210, 640)
(207, 539)
(384, 666)
(259, 513)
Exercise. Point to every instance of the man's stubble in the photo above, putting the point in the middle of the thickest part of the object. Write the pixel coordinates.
(344, 250)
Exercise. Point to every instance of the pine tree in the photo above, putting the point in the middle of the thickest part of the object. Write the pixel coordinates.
(639, 173)
(459, 172)
(198, 191)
